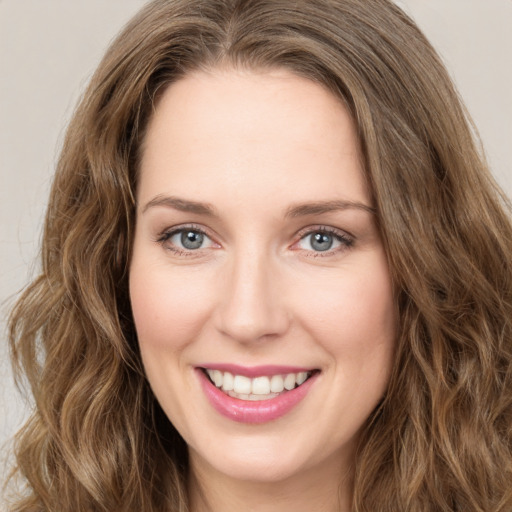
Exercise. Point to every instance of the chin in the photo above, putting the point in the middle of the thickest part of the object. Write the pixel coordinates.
(257, 459)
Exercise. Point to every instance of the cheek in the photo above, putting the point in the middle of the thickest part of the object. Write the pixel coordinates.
(168, 309)
(353, 316)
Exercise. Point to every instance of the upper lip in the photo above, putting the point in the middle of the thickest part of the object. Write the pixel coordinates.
(256, 371)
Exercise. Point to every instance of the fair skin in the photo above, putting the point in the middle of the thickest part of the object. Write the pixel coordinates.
(256, 245)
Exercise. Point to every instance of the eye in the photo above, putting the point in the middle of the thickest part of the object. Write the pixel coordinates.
(324, 240)
(185, 239)
(189, 239)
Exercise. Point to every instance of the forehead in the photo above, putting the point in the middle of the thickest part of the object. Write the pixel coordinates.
(246, 132)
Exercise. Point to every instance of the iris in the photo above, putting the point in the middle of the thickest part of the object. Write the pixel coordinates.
(191, 239)
(321, 241)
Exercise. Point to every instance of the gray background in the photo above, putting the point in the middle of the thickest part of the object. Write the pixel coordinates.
(49, 48)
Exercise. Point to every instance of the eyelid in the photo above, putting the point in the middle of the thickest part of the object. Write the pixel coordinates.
(346, 239)
(166, 234)
(323, 228)
(172, 230)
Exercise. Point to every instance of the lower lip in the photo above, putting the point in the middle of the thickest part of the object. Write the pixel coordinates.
(262, 411)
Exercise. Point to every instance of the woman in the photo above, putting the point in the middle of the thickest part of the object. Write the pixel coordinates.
(276, 275)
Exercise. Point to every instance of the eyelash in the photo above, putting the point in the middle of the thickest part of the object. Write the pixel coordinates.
(165, 236)
(346, 241)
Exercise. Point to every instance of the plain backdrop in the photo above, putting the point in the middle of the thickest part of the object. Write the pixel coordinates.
(49, 48)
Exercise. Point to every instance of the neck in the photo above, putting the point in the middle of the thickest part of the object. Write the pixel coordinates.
(311, 489)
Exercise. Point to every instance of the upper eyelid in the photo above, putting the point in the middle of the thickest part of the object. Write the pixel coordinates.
(299, 235)
(182, 227)
(346, 239)
(326, 229)
(164, 237)
(301, 232)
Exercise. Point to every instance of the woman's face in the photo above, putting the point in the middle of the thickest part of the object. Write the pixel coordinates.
(257, 260)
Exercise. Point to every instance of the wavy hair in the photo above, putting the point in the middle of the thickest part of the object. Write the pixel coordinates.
(441, 440)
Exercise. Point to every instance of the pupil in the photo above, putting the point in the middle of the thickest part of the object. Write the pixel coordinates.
(191, 239)
(321, 242)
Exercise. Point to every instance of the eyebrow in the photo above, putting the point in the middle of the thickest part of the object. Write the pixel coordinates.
(183, 205)
(299, 210)
(319, 207)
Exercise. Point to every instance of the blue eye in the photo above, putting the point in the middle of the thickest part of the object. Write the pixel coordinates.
(185, 239)
(323, 241)
(191, 239)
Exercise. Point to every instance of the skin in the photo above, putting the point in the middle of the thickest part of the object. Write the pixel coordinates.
(252, 146)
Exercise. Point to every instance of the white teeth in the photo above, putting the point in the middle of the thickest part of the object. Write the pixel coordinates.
(301, 378)
(258, 388)
(242, 396)
(252, 397)
(261, 386)
(242, 384)
(217, 378)
(228, 383)
(276, 384)
(289, 381)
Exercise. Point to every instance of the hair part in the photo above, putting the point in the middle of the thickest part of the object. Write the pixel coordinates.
(442, 437)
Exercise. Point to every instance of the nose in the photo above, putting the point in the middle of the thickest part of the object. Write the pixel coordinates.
(252, 305)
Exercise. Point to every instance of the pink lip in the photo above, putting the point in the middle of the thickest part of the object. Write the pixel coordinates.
(255, 371)
(244, 411)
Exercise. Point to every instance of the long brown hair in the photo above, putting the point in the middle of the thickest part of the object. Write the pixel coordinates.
(441, 440)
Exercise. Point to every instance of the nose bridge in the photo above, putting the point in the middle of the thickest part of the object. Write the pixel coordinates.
(252, 308)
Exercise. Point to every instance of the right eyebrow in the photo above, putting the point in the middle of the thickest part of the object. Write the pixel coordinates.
(319, 207)
(183, 205)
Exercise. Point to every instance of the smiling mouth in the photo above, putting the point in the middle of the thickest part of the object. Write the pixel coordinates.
(258, 388)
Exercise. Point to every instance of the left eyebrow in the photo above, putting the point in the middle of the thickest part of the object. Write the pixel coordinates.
(319, 207)
(183, 205)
